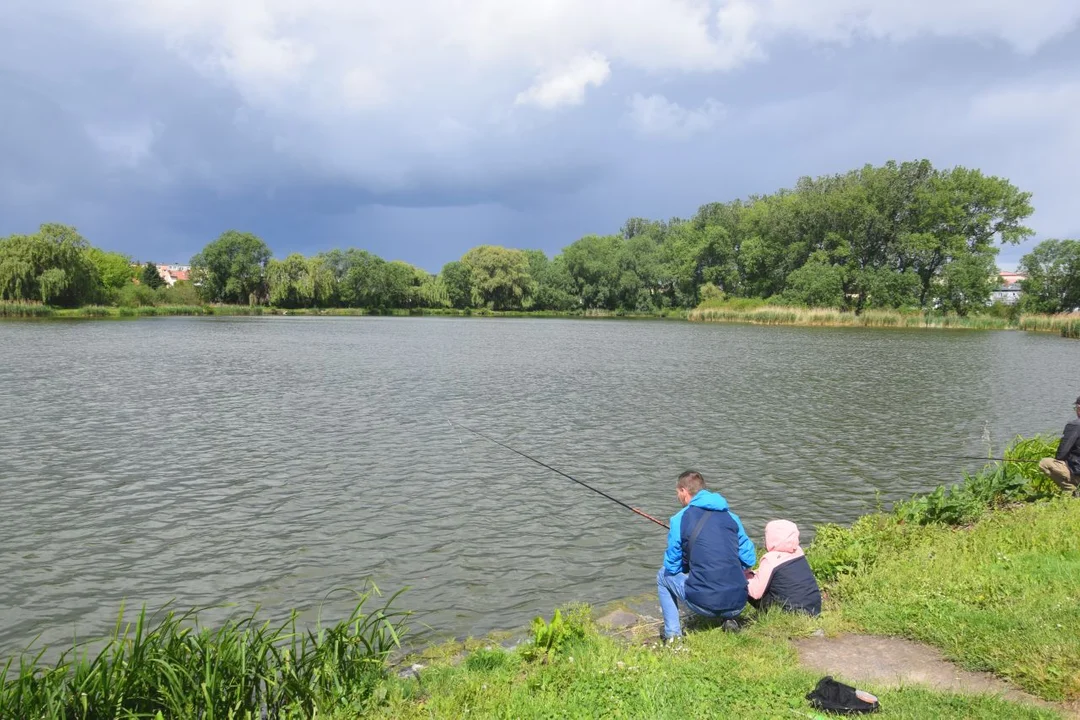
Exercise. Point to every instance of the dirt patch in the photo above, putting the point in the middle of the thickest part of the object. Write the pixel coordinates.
(890, 661)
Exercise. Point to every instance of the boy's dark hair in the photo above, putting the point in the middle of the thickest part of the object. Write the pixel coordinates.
(691, 481)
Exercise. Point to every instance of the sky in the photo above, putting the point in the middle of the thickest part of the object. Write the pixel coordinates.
(422, 128)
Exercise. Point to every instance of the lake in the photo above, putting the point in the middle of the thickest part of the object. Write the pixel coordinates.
(270, 461)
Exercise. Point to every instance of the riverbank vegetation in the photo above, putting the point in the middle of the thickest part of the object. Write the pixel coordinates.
(170, 667)
(901, 237)
(986, 570)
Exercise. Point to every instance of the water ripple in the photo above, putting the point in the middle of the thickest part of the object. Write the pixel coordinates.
(268, 461)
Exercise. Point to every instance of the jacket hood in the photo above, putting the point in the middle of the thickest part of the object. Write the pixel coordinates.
(781, 536)
(709, 500)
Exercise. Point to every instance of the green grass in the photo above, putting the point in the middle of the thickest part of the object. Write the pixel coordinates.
(754, 674)
(170, 667)
(1000, 596)
(987, 570)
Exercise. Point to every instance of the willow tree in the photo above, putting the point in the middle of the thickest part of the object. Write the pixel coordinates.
(51, 266)
(499, 277)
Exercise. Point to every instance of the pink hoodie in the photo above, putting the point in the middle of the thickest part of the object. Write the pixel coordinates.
(782, 543)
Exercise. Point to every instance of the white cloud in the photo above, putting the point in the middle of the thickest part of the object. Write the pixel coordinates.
(566, 86)
(334, 75)
(656, 115)
(446, 53)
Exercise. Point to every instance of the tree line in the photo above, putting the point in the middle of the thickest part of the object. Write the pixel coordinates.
(898, 236)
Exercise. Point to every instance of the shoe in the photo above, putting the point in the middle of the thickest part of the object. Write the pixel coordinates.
(730, 626)
(673, 641)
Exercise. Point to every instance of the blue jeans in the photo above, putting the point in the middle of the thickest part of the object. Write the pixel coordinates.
(672, 590)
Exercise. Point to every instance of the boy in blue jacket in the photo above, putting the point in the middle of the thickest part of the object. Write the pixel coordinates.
(706, 555)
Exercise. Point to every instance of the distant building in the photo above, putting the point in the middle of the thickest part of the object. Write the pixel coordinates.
(1008, 292)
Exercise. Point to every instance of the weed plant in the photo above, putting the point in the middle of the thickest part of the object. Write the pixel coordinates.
(171, 667)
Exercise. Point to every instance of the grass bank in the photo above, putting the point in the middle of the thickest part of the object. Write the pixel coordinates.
(751, 311)
(37, 310)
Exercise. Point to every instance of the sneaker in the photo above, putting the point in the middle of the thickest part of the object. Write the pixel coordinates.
(730, 626)
(673, 641)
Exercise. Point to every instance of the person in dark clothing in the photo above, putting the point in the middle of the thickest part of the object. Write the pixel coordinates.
(784, 577)
(1064, 468)
(706, 555)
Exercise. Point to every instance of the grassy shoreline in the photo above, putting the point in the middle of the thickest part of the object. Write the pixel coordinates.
(1067, 325)
(739, 312)
(21, 311)
(985, 570)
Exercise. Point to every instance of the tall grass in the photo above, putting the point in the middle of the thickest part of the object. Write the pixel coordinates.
(765, 314)
(1065, 324)
(25, 310)
(171, 667)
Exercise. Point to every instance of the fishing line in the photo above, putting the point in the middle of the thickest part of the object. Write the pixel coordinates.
(645, 515)
(985, 459)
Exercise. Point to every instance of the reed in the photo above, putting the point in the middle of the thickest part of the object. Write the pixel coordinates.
(764, 314)
(25, 310)
(172, 667)
(1065, 324)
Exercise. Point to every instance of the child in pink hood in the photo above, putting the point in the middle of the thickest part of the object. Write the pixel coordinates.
(784, 576)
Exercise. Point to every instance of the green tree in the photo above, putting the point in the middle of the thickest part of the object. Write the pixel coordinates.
(150, 277)
(401, 284)
(51, 266)
(960, 213)
(433, 293)
(593, 265)
(499, 277)
(290, 282)
(114, 269)
(818, 283)
(967, 282)
(554, 290)
(1053, 277)
(458, 280)
(232, 269)
(363, 282)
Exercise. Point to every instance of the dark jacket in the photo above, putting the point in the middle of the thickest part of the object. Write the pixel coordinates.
(1069, 447)
(793, 587)
(715, 559)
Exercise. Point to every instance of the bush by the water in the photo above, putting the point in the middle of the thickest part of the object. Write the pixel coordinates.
(171, 667)
(841, 551)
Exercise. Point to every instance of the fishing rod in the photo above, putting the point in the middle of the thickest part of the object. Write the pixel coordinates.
(1014, 460)
(645, 515)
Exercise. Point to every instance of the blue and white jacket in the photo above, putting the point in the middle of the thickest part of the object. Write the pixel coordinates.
(720, 552)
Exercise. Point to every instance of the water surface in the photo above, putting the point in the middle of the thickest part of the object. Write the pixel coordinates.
(268, 461)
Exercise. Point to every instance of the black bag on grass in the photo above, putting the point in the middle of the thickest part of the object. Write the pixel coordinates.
(835, 697)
